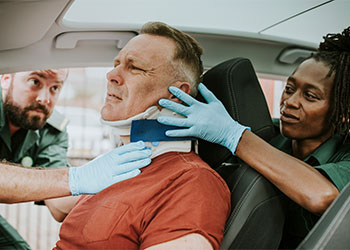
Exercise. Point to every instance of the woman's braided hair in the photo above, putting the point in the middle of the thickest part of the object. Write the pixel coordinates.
(334, 51)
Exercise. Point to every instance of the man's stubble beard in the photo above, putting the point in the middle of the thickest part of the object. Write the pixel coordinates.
(20, 117)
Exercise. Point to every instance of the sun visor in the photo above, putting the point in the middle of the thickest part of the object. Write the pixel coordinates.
(70, 40)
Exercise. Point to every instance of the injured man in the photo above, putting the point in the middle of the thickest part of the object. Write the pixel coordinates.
(178, 201)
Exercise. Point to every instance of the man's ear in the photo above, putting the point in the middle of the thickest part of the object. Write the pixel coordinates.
(5, 81)
(184, 86)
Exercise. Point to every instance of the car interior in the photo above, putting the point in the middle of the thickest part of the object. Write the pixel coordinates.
(242, 41)
(331, 231)
(257, 214)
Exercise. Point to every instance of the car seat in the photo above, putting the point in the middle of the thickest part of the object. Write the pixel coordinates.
(257, 212)
(332, 229)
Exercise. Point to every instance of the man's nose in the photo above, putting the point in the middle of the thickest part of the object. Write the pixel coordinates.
(114, 76)
(44, 96)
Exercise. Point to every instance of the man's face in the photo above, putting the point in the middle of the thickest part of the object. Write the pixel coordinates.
(31, 97)
(140, 77)
(306, 102)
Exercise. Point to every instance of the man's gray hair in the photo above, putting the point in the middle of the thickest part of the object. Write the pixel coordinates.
(187, 57)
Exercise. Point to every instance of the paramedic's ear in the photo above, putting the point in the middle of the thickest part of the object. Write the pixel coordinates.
(185, 87)
(5, 82)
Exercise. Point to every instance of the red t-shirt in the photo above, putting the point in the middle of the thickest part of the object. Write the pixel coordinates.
(176, 195)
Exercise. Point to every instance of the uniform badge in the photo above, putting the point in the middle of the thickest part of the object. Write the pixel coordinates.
(27, 161)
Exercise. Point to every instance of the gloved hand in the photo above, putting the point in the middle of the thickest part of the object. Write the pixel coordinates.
(116, 165)
(209, 121)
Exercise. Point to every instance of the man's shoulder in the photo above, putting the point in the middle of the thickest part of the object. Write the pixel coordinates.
(190, 165)
(57, 121)
(183, 160)
(54, 131)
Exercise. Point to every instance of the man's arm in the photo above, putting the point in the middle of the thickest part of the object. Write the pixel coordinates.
(20, 184)
(188, 242)
(60, 207)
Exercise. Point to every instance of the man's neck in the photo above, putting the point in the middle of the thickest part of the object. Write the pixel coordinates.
(122, 130)
(125, 139)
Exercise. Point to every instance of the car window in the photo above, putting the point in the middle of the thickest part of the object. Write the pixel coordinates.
(272, 90)
(81, 100)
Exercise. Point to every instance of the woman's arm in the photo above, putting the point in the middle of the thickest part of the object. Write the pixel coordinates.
(210, 121)
(295, 178)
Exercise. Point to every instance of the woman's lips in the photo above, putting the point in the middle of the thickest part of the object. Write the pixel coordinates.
(289, 118)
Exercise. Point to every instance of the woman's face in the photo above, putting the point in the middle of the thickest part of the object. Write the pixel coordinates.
(306, 102)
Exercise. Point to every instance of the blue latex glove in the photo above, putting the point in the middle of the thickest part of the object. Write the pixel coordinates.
(116, 165)
(209, 121)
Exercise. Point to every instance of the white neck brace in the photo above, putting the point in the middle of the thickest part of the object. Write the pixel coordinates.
(122, 128)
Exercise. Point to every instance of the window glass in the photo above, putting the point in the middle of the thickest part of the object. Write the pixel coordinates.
(80, 101)
(272, 90)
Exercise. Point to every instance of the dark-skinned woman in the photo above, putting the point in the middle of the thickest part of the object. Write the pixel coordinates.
(314, 127)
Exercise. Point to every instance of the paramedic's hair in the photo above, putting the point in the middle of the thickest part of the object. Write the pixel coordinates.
(334, 52)
(187, 57)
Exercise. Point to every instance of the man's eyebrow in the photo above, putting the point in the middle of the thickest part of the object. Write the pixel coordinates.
(133, 59)
(41, 75)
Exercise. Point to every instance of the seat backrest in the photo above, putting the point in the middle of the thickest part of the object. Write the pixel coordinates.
(257, 213)
(332, 229)
(235, 84)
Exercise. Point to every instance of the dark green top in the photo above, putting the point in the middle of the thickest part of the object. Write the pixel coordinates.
(46, 147)
(332, 159)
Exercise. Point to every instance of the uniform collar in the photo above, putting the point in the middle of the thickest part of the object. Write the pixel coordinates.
(327, 149)
(321, 154)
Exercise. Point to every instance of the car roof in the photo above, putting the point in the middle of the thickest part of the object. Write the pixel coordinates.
(273, 34)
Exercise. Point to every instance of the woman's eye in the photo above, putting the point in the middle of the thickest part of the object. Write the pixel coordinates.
(288, 89)
(311, 96)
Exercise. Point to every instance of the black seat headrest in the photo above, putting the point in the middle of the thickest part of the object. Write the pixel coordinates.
(236, 85)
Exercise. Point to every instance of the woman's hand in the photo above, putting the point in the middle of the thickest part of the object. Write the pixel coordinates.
(209, 121)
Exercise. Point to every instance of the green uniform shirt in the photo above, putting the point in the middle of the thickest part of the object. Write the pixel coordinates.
(46, 147)
(332, 159)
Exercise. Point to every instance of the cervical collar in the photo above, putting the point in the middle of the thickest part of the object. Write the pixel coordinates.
(122, 128)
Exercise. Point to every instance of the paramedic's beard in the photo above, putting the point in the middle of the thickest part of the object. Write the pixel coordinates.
(21, 118)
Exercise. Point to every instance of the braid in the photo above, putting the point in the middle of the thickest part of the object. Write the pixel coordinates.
(334, 51)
